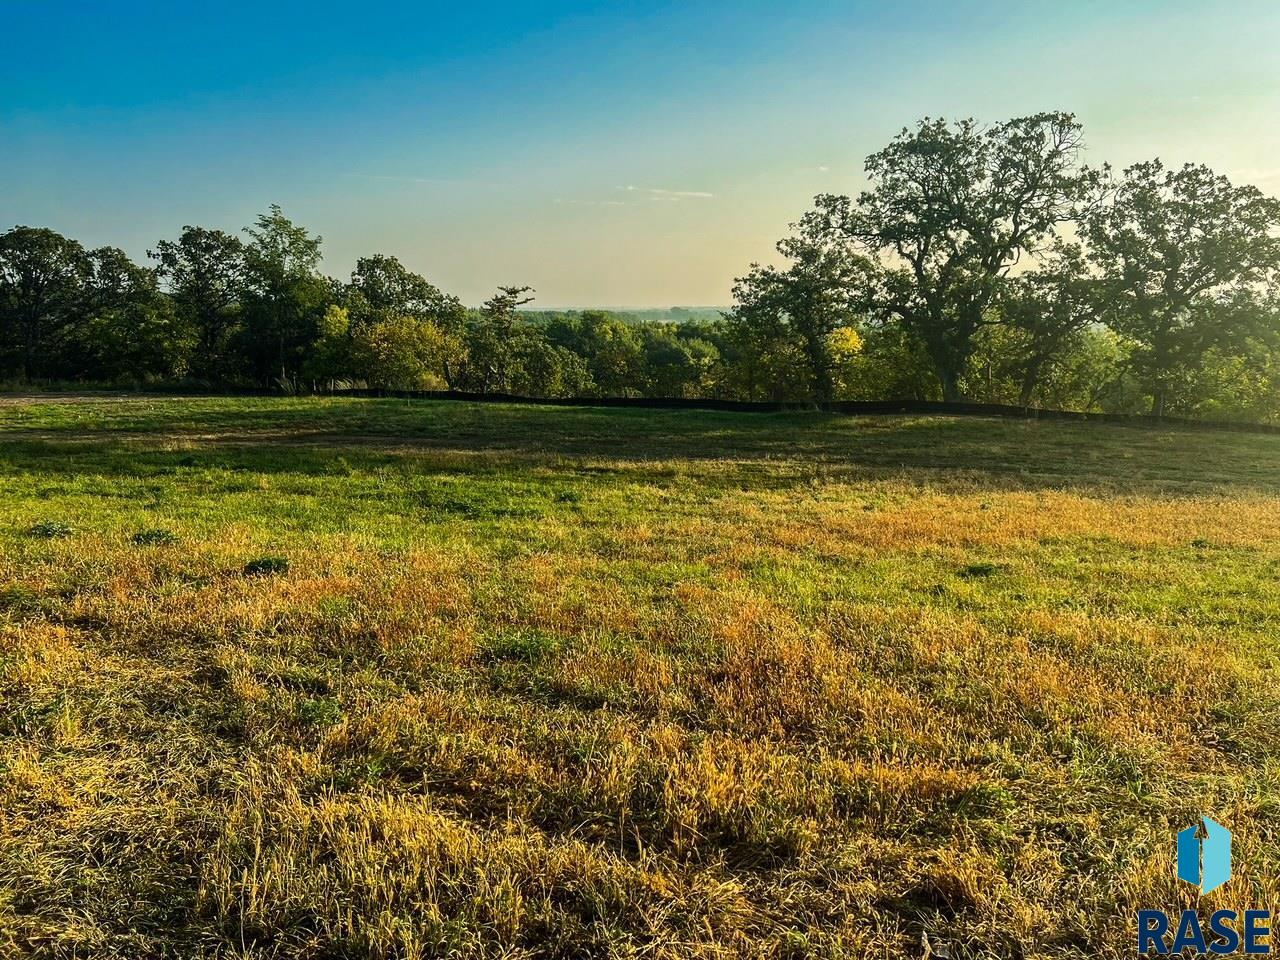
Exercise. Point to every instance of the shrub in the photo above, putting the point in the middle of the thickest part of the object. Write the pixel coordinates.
(51, 529)
(266, 567)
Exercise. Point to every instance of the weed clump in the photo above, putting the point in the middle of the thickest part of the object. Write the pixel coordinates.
(154, 538)
(319, 712)
(51, 530)
(266, 567)
(522, 647)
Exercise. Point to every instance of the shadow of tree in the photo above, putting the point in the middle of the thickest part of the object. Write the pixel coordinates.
(318, 437)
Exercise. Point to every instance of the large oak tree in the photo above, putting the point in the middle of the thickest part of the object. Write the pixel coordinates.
(952, 208)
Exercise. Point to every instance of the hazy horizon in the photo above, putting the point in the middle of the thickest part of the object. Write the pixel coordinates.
(642, 156)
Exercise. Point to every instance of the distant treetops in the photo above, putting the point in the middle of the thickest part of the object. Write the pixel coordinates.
(982, 261)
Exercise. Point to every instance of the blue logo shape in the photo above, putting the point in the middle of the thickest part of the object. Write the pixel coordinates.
(1205, 863)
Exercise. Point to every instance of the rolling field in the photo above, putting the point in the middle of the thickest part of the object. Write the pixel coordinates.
(369, 678)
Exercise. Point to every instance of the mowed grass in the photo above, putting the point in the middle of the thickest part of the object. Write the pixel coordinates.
(374, 678)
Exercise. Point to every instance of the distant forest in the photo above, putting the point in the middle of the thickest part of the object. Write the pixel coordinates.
(983, 262)
(639, 314)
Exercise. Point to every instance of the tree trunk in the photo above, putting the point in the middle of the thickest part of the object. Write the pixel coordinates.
(1030, 380)
(948, 364)
(820, 368)
(1162, 356)
(30, 349)
(950, 380)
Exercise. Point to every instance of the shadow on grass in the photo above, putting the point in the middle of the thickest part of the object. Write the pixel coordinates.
(152, 437)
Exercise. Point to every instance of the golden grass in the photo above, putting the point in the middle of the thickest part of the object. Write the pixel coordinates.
(701, 708)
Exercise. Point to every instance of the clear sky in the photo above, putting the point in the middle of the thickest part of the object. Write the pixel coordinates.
(609, 154)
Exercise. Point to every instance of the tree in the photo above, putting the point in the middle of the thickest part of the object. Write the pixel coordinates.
(42, 286)
(951, 210)
(891, 364)
(333, 356)
(845, 345)
(491, 342)
(401, 353)
(762, 359)
(823, 290)
(1243, 385)
(543, 369)
(285, 297)
(129, 329)
(381, 287)
(205, 273)
(1046, 310)
(673, 363)
(1188, 261)
(611, 349)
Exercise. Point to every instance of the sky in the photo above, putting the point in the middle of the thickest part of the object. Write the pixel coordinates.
(607, 154)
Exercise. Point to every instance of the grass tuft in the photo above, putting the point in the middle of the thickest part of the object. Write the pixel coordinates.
(154, 537)
(266, 567)
(51, 530)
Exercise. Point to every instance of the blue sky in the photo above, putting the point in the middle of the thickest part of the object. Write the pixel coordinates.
(608, 154)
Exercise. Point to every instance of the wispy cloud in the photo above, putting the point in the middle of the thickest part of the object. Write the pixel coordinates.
(658, 193)
(641, 196)
(595, 203)
(446, 181)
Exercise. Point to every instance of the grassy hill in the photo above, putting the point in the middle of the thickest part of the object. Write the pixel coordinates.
(369, 678)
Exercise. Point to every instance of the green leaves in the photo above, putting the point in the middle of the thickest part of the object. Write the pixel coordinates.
(1188, 262)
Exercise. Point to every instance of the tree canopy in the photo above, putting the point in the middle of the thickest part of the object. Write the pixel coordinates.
(952, 209)
(1188, 262)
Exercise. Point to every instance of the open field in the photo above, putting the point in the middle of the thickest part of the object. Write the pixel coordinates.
(546, 682)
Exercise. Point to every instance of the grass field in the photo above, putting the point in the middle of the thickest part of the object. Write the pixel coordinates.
(545, 682)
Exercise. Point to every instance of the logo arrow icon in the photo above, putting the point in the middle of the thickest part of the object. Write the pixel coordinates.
(1205, 863)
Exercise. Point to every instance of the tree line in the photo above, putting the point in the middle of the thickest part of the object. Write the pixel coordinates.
(981, 262)
(221, 310)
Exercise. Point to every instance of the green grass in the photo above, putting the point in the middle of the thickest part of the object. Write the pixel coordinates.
(375, 678)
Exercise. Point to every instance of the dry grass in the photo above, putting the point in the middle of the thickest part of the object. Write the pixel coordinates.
(594, 683)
